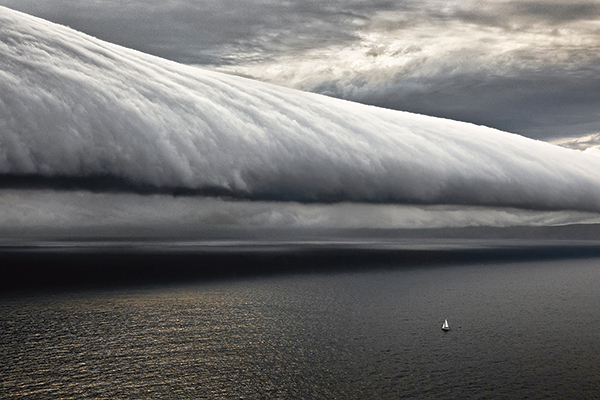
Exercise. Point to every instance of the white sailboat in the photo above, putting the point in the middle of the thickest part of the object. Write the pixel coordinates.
(445, 326)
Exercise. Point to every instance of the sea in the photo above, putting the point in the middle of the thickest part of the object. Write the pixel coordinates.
(519, 329)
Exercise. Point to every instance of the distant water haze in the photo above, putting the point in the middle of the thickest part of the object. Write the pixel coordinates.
(45, 213)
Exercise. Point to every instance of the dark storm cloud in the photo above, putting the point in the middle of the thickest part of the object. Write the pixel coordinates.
(514, 14)
(211, 31)
(540, 104)
(555, 12)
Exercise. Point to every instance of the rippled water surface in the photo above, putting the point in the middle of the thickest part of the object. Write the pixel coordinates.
(518, 330)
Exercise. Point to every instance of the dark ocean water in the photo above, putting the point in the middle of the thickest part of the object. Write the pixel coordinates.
(519, 330)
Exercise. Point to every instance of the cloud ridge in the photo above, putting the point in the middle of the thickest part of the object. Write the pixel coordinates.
(74, 106)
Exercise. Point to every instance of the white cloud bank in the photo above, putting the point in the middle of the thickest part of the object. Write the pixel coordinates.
(75, 106)
(526, 66)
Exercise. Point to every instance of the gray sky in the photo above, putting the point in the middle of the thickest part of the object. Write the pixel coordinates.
(529, 67)
(76, 109)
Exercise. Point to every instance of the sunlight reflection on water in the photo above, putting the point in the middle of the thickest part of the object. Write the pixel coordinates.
(518, 330)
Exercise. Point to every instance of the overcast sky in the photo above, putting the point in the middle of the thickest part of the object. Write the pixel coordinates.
(74, 108)
(529, 67)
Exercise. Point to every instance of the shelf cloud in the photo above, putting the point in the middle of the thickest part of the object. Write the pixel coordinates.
(95, 135)
(77, 108)
(526, 66)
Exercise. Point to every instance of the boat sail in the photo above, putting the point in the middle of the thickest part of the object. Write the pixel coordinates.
(445, 326)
